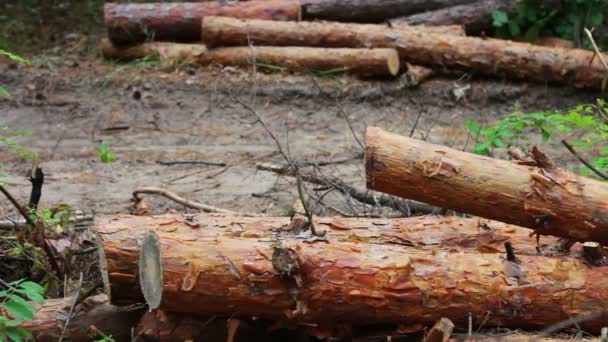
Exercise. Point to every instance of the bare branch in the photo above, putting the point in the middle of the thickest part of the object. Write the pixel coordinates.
(582, 160)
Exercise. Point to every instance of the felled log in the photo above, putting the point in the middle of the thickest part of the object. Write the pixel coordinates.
(94, 311)
(370, 10)
(487, 56)
(166, 52)
(366, 62)
(475, 17)
(133, 23)
(119, 237)
(541, 196)
(307, 280)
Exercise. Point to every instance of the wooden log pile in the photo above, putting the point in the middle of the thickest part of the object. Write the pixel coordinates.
(287, 36)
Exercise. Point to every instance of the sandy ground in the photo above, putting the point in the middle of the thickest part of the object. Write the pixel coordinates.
(190, 114)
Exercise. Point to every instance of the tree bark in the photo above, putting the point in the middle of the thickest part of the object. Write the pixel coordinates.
(134, 23)
(311, 281)
(541, 197)
(475, 17)
(487, 56)
(94, 311)
(366, 62)
(120, 236)
(369, 10)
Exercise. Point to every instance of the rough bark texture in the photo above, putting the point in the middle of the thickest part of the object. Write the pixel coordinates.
(131, 22)
(542, 197)
(366, 62)
(94, 311)
(310, 281)
(369, 10)
(120, 237)
(166, 52)
(475, 17)
(487, 56)
(226, 31)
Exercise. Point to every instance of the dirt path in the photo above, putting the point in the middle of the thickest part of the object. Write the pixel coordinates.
(190, 115)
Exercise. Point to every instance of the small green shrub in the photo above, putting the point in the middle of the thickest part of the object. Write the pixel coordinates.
(14, 300)
(586, 125)
(533, 19)
(104, 154)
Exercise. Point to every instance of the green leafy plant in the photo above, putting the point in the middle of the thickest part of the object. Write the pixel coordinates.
(533, 19)
(586, 125)
(15, 58)
(104, 154)
(14, 300)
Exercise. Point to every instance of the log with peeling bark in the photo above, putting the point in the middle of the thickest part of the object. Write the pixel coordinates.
(132, 23)
(475, 17)
(531, 193)
(364, 270)
(369, 10)
(120, 236)
(308, 280)
(366, 62)
(95, 311)
(487, 56)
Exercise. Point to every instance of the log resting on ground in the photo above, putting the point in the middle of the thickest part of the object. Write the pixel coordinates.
(365, 62)
(133, 23)
(308, 281)
(541, 197)
(167, 52)
(95, 311)
(487, 56)
(475, 17)
(120, 237)
(412, 270)
(369, 10)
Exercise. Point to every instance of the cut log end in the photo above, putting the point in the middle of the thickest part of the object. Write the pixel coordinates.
(150, 270)
(392, 59)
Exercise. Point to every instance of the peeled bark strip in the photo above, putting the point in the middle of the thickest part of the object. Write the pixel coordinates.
(331, 282)
(166, 52)
(369, 10)
(543, 197)
(475, 17)
(95, 311)
(134, 23)
(366, 62)
(488, 56)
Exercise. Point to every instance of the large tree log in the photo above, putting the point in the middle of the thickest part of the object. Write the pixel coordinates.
(120, 236)
(542, 197)
(488, 56)
(131, 23)
(366, 62)
(312, 281)
(369, 10)
(94, 311)
(475, 17)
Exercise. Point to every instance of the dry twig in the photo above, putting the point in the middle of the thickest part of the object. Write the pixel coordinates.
(582, 160)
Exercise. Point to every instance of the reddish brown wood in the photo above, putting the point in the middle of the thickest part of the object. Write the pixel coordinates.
(138, 22)
(475, 17)
(411, 271)
(543, 197)
(369, 10)
(488, 56)
(167, 52)
(95, 311)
